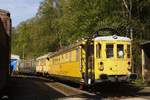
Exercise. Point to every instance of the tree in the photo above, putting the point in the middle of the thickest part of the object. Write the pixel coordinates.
(63, 22)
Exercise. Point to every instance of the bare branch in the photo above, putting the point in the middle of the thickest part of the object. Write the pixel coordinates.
(125, 4)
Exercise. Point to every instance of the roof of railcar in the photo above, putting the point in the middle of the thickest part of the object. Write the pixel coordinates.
(65, 49)
(80, 42)
(113, 37)
(44, 56)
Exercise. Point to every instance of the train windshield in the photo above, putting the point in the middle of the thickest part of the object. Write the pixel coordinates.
(120, 51)
(109, 50)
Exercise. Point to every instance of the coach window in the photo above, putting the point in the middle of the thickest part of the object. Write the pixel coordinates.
(98, 50)
(58, 59)
(62, 58)
(70, 56)
(120, 51)
(67, 58)
(128, 51)
(77, 54)
(66, 55)
(52, 60)
(109, 50)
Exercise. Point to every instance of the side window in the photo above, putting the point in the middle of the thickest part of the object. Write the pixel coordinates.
(120, 51)
(62, 58)
(66, 57)
(128, 51)
(98, 50)
(77, 54)
(109, 50)
(52, 60)
(70, 56)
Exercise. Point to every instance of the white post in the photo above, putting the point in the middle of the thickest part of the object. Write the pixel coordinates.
(143, 64)
(131, 33)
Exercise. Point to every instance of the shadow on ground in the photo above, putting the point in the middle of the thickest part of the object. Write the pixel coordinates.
(114, 90)
(30, 88)
(22, 87)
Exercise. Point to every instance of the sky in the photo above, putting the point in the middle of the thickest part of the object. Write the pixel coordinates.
(20, 10)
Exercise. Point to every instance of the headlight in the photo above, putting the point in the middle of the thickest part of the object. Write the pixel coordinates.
(129, 66)
(101, 66)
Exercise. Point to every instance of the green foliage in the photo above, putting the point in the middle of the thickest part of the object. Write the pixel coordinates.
(57, 26)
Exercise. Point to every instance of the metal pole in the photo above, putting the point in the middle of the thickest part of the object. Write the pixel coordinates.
(23, 52)
(130, 19)
(131, 33)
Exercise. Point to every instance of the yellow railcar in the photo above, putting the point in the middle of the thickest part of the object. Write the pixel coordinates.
(42, 64)
(93, 60)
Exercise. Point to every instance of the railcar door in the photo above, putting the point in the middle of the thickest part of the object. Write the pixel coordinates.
(90, 62)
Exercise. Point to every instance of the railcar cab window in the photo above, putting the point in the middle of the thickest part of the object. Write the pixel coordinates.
(120, 51)
(109, 50)
(98, 50)
(128, 51)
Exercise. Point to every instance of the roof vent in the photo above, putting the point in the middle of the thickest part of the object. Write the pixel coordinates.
(115, 36)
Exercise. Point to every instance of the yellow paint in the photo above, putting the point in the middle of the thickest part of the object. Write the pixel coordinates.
(72, 62)
(114, 65)
(42, 65)
(66, 66)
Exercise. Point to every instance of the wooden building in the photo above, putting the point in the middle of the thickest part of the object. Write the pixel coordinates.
(145, 47)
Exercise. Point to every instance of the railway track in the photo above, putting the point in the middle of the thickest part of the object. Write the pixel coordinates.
(44, 88)
(106, 91)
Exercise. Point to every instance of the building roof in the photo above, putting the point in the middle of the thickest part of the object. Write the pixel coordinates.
(146, 47)
(15, 57)
(4, 12)
(145, 43)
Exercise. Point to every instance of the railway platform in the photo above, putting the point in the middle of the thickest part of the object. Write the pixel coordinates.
(22, 87)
